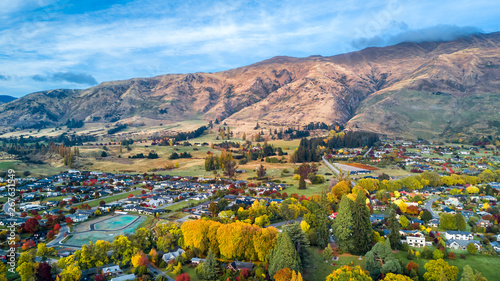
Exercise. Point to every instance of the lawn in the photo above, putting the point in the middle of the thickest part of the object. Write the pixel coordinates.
(181, 205)
(318, 269)
(487, 265)
(95, 202)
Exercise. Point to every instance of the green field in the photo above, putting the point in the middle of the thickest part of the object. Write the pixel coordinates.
(318, 269)
(487, 265)
(181, 205)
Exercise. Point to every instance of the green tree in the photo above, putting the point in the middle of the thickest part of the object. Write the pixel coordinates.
(460, 222)
(322, 221)
(448, 221)
(434, 268)
(394, 227)
(343, 225)
(300, 240)
(327, 253)
(471, 248)
(362, 232)
(426, 216)
(210, 266)
(381, 260)
(284, 256)
(437, 254)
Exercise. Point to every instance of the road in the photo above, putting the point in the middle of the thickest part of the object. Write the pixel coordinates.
(7, 210)
(334, 169)
(299, 219)
(59, 237)
(428, 206)
(364, 155)
(155, 271)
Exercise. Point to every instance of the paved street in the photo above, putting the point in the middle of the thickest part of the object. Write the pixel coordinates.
(428, 206)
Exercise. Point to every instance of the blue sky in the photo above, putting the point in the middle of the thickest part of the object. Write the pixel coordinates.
(48, 44)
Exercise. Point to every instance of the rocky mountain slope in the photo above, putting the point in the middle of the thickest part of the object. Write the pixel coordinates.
(432, 89)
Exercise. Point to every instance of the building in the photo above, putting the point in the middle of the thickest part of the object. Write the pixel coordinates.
(462, 244)
(238, 265)
(124, 277)
(172, 255)
(414, 241)
(112, 270)
(458, 235)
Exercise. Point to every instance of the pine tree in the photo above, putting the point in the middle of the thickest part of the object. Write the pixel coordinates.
(362, 233)
(343, 225)
(394, 227)
(322, 220)
(210, 266)
(284, 256)
(300, 241)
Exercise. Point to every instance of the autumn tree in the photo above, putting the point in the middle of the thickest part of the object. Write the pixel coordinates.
(31, 225)
(435, 267)
(43, 272)
(122, 250)
(284, 256)
(349, 273)
(230, 168)
(396, 277)
(284, 274)
(139, 259)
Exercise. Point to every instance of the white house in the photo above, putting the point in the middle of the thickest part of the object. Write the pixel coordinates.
(172, 255)
(458, 235)
(112, 270)
(415, 241)
(462, 244)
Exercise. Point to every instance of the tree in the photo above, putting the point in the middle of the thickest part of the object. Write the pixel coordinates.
(71, 273)
(394, 227)
(31, 225)
(349, 273)
(341, 188)
(284, 256)
(468, 275)
(435, 267)
(122, 250)
(302, 183)
(460, 222)
(343, 225)
(230, 168)
(182, 277)
(322, 220)
(139, 259)
(210, 266)
(300, 240)
(43, 272)
(403, 221)
(327, 253)
(396, 277)
(44, 252)
(448, 221)
(261, 171)
(381, 260)
(284, 274)
(426, 216)
(362, 232)
(471, 248)
(437, 254)
(26, 270)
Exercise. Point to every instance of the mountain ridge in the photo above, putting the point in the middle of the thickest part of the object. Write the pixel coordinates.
(370, 90)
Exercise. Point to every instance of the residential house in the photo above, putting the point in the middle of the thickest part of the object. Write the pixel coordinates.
(238, 265)
(124, 277)
(112, 270)
(434, 222)
(458, 235)
(197, 260)
(172, 255)
(462, 244)
(483, 223)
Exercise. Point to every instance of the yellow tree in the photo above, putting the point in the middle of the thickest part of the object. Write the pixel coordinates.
(435, 267)
(153, 255)
(396, 277)
(139, 259)
(349, 273)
